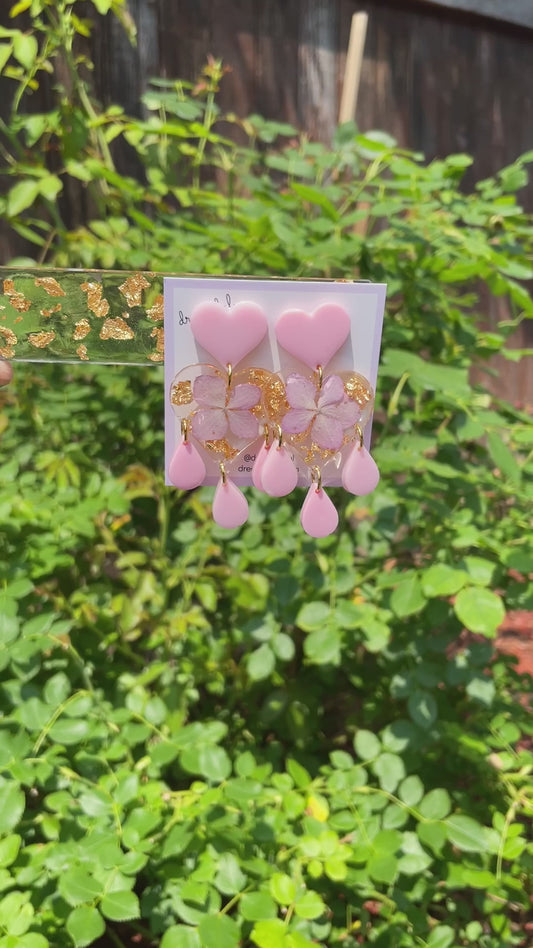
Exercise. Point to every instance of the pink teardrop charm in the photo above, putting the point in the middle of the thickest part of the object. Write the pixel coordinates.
(257, 470)
(318, 516)
(230, 507)
(186, 469)
(278, 475)
(360, 473)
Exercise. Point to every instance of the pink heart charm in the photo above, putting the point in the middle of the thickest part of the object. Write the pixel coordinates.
(313, 337)
(228, 334)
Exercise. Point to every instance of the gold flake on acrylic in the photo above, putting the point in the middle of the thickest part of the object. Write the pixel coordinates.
(116, 329)
(159, 353)
(81, 352)
(97, 305)
(181, 393)
(7, 351)
(275, 402)
(17, 300)
(48, 312)
(83, 327)
(41, 339)
(133, 287)
(51, 286)
(155, 313)
(359, 389)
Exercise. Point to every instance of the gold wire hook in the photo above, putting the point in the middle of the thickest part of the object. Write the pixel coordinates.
(359, 433)
(316, 477)
(229, 368)
(222, 472)
(320, 373)
(185, 430)
(279, 435)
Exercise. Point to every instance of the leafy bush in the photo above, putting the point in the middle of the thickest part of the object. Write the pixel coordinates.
(252, 738)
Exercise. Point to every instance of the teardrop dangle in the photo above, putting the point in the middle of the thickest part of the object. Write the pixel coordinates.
(230, 507)
(360, 474)
(257, 469)
(318, 515)
(186, 469)
(278, 474)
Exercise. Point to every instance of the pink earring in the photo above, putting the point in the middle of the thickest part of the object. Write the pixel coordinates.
(220, 409)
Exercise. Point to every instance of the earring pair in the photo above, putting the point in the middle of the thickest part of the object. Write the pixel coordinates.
(312, 422)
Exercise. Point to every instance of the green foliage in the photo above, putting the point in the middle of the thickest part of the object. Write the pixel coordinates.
(252, 738)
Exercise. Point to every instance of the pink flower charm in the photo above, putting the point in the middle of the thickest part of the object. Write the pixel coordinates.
(327, 411)
(221, 408)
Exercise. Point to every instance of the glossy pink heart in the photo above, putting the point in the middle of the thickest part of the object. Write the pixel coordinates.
(313, 337)
(228, 334)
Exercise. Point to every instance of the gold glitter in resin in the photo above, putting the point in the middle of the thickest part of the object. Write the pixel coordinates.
(41, 339)
(159, 353)
(48, 312)
(7, 351)
(81, 352)
(116, 329)
(82, 328)
(222, 447)
(359, 390)
(133, 287)
(51, 286)
(17, 300)
(97, 305)
(181, 393)
(155, 313)
(275, 402)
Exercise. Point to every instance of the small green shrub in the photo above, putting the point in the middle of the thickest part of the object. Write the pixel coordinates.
(252, 738)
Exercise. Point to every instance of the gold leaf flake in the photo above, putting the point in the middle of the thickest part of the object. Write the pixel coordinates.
(41, 339)
(116, 329)
(155, 312)
(17, 300)
(133, 287)
(181, 393)
(7, 351)
(81, 352)
(82, 328)
(359, 389)
(222, 447)
(54, 309)
(51, 286)
(97, 305)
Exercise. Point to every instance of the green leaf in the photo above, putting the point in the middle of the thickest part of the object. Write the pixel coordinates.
(442, 580)
(482, 689)
(181, 936)
(77, 886)
(218, 931)
(389, 769)
(423, 708)
(309, 905)
(261, 663)
(9, 849)
(367, 746)
(12, 804)
(503, 458)
(432, 835)
(208, 760)
(255, 906)
(312, 616)
(436, 805)
(323, 647)
(383, 867)
(25, 49)
(269, 934)
(480, 610)
(21, 196)
(229, 878)
(120, 906)
(5, 53)
(408, 598)
(50, 186)
(85, 925)
(467, 834)
(411, 790)
(282, 888)
(441, 937)
(413, 859)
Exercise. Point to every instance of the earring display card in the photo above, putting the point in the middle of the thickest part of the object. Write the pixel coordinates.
(300, 357)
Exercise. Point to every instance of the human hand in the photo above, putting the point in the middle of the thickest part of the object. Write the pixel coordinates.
(6, 372)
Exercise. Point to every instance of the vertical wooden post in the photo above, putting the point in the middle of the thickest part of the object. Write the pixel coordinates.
(352, 72)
